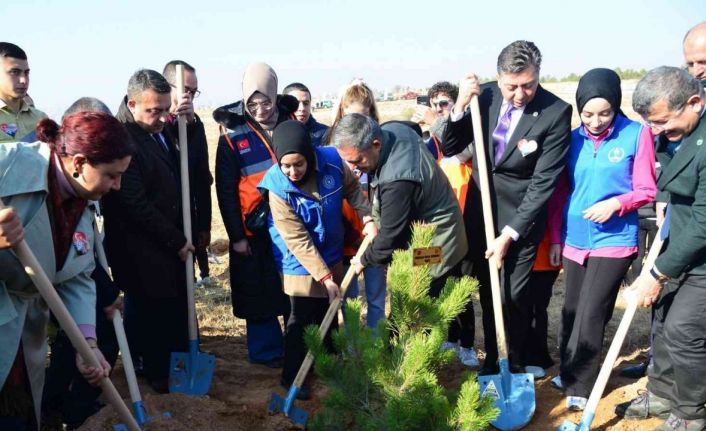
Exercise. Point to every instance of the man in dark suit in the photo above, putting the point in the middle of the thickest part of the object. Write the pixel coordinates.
(527, 132)
(672, 103)
(145, 242)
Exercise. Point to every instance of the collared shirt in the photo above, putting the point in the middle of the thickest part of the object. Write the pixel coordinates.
(14, 126)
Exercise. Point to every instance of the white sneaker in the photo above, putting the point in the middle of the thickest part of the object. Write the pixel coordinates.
(448, 345)
(537, 372)
(576, 404)
(468, 357)
(556, 383)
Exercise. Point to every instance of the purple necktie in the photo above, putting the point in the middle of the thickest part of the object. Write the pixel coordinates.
(501, 131)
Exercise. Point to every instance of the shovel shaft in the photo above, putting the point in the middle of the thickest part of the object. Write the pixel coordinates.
(51, 297)
(186, 205)
(331, 313)
(481, 164)
(127, 359)
(617, 343)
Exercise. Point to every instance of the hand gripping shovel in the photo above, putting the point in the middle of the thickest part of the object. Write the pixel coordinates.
(51, 297)
(137, 405)
(513, 393)
(189, 372)
(286, 405)
(597, 392)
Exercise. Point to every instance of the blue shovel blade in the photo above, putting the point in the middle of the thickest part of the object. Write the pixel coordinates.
(584, 425)
(278, 404)
(120, 427)
(514, 397)
(191, 373)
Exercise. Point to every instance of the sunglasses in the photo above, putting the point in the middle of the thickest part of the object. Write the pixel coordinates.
(442, 103)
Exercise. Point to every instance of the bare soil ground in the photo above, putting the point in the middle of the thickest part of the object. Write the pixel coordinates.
(240, 390)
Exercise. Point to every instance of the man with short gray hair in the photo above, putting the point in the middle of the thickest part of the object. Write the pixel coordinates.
(527, 134)
(671, 102)
(145, 239)
(407, 185)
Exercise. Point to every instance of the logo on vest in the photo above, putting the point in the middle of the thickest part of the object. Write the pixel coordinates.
(329, 182)
(243, 146)
(9, 128)
(615, 155)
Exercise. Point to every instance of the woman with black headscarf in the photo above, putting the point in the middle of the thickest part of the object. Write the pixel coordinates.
(611, 173)
(306, 191)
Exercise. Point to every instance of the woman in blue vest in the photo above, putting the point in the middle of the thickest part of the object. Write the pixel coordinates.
(611, 173)
(306, 191)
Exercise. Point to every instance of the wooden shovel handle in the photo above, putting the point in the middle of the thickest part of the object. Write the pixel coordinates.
(481, 164)
(331, 313)
(617, 343)
(186, 205)
(36, 273)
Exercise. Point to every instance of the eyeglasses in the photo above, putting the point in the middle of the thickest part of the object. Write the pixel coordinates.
(443, 104)
(263, 106)
(194, 92)
(661, 125)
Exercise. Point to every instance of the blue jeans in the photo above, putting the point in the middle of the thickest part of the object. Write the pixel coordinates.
(375, 292)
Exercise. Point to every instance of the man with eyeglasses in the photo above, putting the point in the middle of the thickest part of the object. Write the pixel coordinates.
(671, 102)
(200, 178)
(145, 239)
(527, 133)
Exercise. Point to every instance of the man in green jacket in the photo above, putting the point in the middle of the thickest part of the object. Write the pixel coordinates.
(407, 185)
(672, 103)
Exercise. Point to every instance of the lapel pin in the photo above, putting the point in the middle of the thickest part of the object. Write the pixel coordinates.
(699, 142)
(534, 114)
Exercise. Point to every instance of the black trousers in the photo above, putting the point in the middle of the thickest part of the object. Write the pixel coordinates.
(678, 367)
(463, 327)
(590, 294)
(156, 327)
(305, 311)
(646, 234)
(536, 348)
(201, 255)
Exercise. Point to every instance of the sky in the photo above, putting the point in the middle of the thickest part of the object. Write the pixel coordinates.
(81, 48)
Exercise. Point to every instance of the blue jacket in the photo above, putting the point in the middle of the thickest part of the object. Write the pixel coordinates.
(596, 175)
(316, 130)
(323, 218)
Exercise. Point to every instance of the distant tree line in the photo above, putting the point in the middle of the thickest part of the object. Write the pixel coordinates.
(622, 73)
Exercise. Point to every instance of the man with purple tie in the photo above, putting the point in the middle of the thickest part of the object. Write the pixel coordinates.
(527, 131)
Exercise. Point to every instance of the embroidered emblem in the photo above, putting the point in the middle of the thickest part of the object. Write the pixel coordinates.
(527, 147)
(9, 128)
(80, 243)
(243, 146)
(615, 155)
(329, 182)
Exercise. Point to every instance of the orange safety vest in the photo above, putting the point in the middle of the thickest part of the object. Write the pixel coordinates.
(252, 148)
(457, 172)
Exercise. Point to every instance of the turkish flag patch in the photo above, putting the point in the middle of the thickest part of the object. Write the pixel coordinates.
(243, 145)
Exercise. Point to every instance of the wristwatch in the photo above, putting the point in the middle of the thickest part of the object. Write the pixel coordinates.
(657, 276)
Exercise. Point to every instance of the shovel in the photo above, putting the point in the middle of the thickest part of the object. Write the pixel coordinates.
(513, 393)
(597, 392)
(137, 405)
(286, 405)
(36, 273)
(189, 372)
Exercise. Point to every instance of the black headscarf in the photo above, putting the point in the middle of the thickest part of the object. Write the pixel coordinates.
(291, 137)
(603, 83)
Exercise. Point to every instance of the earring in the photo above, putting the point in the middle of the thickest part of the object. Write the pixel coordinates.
(75, 174)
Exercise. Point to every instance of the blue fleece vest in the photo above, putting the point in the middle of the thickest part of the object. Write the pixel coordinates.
(596, 175)
(323, 218)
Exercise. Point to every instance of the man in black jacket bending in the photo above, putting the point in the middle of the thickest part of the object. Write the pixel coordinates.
(145, 241)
